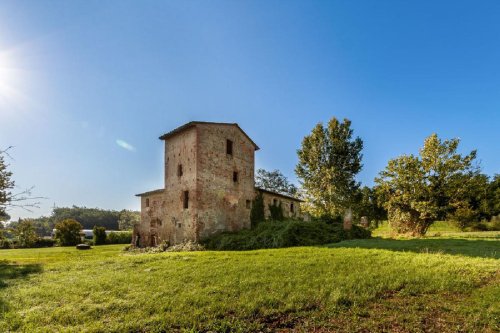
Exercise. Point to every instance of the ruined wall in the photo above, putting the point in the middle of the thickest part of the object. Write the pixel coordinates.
(223, 204)
(286, 205)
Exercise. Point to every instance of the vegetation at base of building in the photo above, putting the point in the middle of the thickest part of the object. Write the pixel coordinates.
(257, 212)
(278, 234)
(99, 235)
(187, 246)
(443, 284)
(276, 211)
(68, 232)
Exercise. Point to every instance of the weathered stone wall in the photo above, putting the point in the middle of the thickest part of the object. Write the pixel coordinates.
(223, 204)
(286, 205)
(166, 218)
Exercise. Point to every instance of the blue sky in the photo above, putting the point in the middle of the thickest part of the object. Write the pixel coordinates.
(86, 87)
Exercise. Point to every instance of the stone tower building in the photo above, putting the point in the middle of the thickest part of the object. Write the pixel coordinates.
(208, 186)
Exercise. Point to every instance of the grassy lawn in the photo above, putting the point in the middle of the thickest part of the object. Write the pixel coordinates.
(446, 284)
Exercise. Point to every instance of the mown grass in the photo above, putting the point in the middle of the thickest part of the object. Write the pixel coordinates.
(359, 285)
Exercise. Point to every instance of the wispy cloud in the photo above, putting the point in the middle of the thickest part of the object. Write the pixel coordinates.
(125, 145)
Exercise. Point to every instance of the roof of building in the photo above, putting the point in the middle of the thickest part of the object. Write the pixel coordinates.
(279, 194)
(194, 123)
(158, 191)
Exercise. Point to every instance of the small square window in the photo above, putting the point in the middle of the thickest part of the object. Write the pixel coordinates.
(235, 176)
(291, 208)
(229, 147)
(147, 202)
(186, 199)
(248, 204)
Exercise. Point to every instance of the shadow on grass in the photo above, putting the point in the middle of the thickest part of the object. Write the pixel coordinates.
(11, 271)
(465, 247)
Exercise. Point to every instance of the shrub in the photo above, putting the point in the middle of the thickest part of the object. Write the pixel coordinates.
(277, 234)
(121, 237)
(68, 232)
(99, 235)
(44, 242)
(6, 243)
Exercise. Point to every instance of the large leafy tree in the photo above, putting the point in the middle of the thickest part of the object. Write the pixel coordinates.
(417, 190)
(274, 181)
(329, 160)
(6, 184)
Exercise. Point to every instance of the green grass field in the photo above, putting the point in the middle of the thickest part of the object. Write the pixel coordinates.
(446, 284)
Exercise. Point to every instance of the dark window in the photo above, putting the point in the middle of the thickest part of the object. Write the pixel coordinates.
(186, 199)
(147, 202)
(275, 202)
(229, 147)
(235, 176)
(179, 170)
(291, 207)
(248, 204)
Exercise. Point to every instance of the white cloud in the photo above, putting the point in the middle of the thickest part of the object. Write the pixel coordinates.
(125, 145)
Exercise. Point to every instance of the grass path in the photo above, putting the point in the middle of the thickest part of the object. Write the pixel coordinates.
(437, 284)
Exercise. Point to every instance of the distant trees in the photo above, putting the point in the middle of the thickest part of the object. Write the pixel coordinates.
(274, 181)
(127, 219)
(68, 232)
(420, 189)
(329, 160)
(88, 217)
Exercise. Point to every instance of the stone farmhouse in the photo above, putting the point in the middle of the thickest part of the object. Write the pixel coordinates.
(208, 188)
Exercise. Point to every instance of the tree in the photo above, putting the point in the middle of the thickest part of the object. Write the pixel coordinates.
(257, 212)
(8, 199)
(99, 235)
(274, 181)
(68, 232)
(128, 219)
(368, 204)
(419, 189)
(25, 234)
(6, 184)
(329, 160)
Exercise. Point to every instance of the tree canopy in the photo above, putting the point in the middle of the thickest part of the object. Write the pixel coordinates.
(274, 181)
(329, 160)
(417, 190)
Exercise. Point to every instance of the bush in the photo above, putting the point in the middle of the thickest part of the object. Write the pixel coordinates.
(277, 234)
(122, 237)
(44, 242)
(99, 235)
(68, 232)
(6, 243)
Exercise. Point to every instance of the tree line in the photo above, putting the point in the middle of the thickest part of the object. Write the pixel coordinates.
(411, 192)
